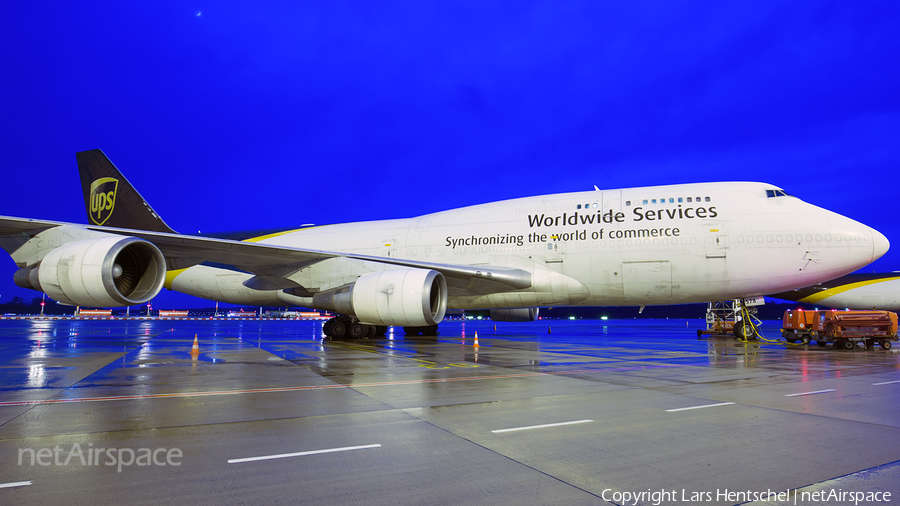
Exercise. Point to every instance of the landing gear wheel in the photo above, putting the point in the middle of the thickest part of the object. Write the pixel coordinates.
(885, 344)
(338, 329)
(358, 330)
(838, 343)
(380, 330)
(849, 345)
(742, 331)
(412, 331)
(805, 339)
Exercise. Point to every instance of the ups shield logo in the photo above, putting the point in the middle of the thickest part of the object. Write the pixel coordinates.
(103, 199)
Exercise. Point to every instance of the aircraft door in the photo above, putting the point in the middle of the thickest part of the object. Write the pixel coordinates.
(716, 240)
(612, 199)
(556, 253)
(389, 247)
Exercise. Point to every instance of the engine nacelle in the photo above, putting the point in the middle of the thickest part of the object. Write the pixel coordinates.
(105, 271)
(407, 297)
(527, 314)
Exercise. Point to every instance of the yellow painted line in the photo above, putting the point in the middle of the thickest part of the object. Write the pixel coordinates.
(824, 294)
(317, 387)
(170, 276)
(427, 363)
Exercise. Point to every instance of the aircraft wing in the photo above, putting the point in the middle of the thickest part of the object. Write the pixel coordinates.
(10, 226)
(183, 251)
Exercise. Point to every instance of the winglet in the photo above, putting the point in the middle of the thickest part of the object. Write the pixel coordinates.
(109, 198)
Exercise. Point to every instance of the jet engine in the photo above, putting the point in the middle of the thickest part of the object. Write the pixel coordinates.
(406, 297)
(527, 314)
(106, 271)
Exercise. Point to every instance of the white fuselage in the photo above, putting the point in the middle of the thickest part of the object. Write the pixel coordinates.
(655, 245)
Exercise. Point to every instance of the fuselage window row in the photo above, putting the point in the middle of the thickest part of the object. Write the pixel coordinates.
(668, 200)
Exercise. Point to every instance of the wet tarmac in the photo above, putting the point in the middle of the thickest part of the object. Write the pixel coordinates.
(550, 412)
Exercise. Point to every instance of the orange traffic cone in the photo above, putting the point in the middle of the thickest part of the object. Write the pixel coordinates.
(476, 339)
(195, 349)
(548, 329)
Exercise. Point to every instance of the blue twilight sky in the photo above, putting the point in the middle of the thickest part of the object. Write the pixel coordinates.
(241, 115)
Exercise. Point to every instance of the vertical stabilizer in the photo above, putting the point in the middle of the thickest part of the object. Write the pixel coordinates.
(110, 199)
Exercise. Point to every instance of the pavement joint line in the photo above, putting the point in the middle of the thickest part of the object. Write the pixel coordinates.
(812, 393)
(16, 484)
(544, 426)
(886, 383)
(302, 454)
(700, 407)
(312, 387)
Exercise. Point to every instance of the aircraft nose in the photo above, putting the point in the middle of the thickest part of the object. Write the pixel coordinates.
(880, 243)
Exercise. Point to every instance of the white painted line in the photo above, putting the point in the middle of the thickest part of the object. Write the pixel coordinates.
(541, 426)
(886, 382)
(700, 407)
(301, 454)
(16, 484)
(811, 393)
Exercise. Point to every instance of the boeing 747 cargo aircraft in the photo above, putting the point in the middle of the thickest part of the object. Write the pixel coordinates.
(638, 246)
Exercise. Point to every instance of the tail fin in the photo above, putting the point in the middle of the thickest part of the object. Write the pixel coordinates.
(110, 199)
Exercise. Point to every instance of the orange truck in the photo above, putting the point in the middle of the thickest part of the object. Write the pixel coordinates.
(844, 329)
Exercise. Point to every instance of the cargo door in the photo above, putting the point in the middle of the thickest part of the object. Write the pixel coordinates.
(647, 281)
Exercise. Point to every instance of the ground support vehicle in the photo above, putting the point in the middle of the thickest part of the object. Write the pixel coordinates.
(843, 328)
(803, 326)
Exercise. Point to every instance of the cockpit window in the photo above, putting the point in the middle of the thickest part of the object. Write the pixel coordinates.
(777, 193)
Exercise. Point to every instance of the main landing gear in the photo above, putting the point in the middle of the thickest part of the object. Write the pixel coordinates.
(341, 327)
